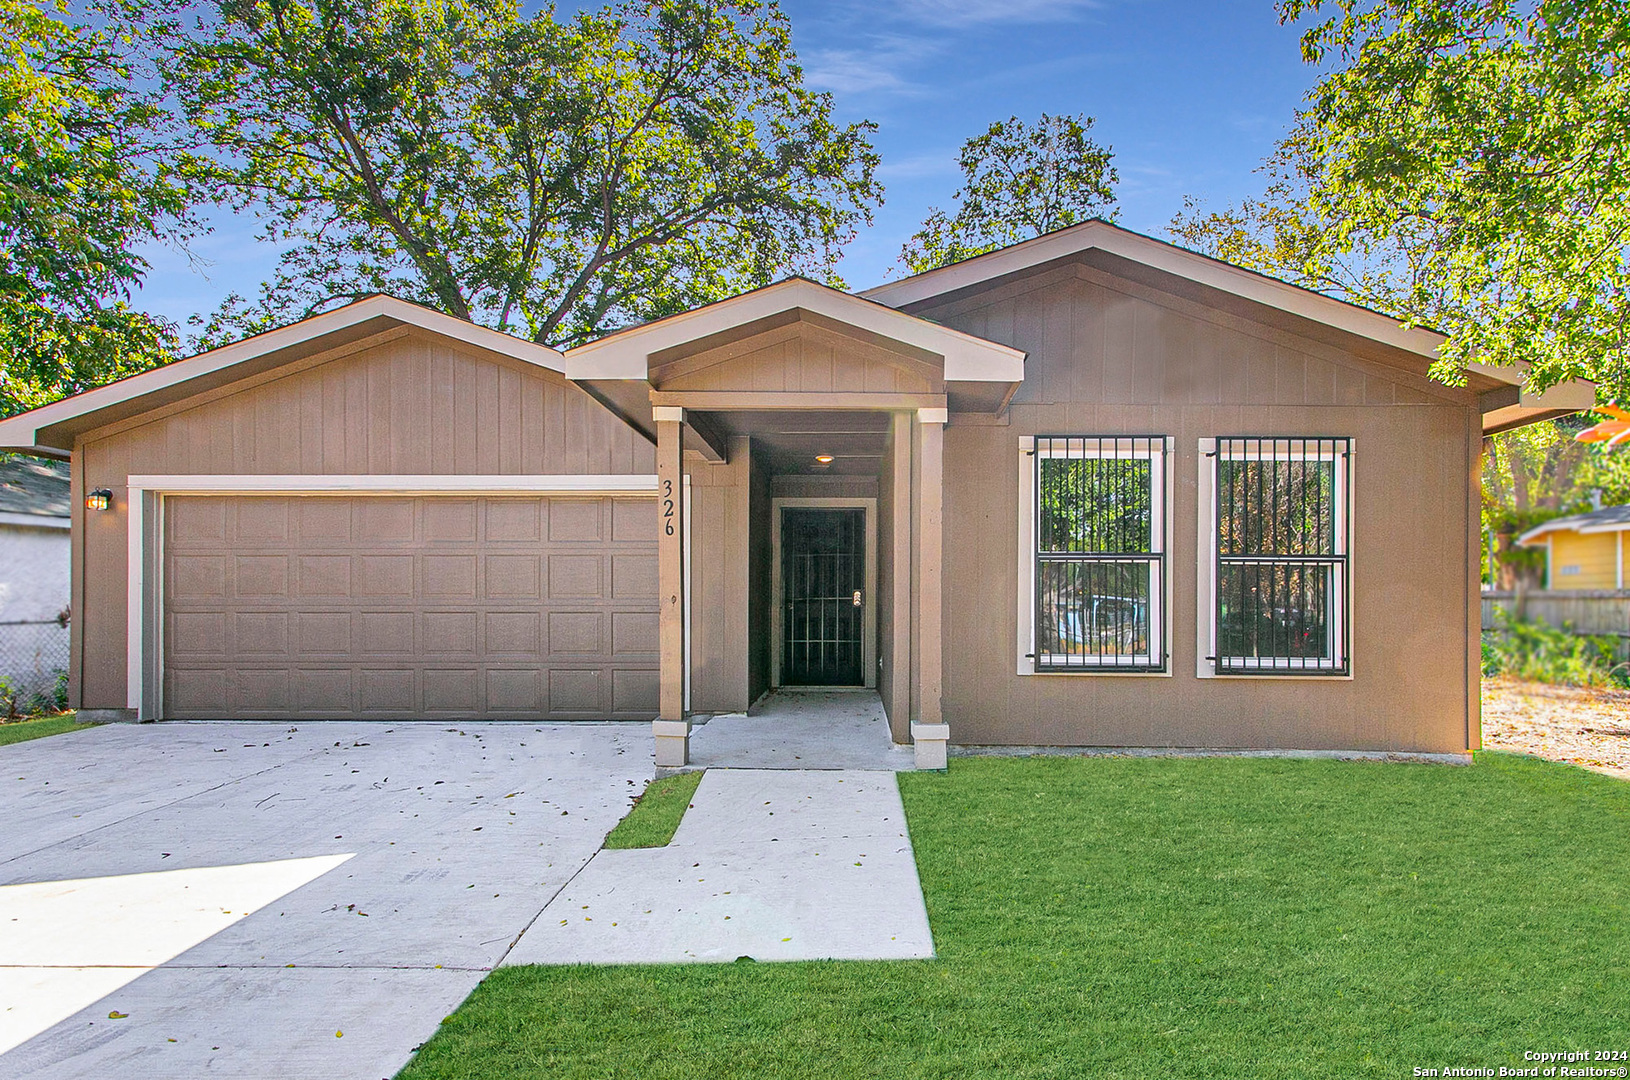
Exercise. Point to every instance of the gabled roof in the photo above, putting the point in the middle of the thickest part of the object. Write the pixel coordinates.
(52, 427)
(1101, 235)
(1506, 403)
(1606, 520)
(32, 487)
(627, 354)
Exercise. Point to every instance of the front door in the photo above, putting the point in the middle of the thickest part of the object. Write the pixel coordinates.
(823, 573)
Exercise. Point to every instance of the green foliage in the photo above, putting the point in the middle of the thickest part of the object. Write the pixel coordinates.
(1460, 164)
(81, 184)
(1539, 472)
(545, 176)
(1151, 918)
(1538, 652)
(14, 706)
(656, 813)
(56, 701)
(1095, 505)
(16, 731)
(1019, 181)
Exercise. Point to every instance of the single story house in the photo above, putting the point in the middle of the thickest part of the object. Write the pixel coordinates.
(1091, 489)
(34, 574)
(1583, 551)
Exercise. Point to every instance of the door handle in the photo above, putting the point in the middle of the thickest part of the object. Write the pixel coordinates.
(857, 598)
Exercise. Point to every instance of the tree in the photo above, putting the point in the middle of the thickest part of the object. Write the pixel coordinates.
(1019, 181)
(1540, 472)
(1463, 164)
(82, 182)
(547, 177)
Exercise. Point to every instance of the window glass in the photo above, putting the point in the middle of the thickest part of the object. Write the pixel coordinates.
(1099, 553)
(1281, 547)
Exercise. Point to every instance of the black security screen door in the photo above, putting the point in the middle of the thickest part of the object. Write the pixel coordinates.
(823, 563)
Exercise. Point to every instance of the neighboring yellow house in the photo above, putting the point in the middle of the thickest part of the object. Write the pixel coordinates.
(1585, 551)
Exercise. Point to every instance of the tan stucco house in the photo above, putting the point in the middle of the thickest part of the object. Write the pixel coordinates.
(1089, 490)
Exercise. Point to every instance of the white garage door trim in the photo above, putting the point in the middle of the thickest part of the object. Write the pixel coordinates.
(145, 517)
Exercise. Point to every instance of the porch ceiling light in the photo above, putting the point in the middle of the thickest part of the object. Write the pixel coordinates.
(824, 459)
(100, 499)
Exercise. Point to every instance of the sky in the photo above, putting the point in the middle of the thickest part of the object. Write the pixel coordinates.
(1190, 95)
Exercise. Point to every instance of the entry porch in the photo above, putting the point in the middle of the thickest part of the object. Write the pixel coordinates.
(799, 437)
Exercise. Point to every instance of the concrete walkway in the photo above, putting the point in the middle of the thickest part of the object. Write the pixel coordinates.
(775, 865)
(802, 729)
(289, 900)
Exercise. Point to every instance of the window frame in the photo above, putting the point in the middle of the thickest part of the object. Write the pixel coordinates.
(1338, 665)
(1159, 449)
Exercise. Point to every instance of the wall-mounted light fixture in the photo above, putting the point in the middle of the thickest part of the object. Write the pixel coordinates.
(100, 499)
(824, 459)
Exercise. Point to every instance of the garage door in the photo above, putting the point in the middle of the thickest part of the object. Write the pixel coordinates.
(409, 607)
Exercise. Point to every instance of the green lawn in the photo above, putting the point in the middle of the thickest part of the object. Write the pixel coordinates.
(656, 815)
(22, 730)
(1154, 918)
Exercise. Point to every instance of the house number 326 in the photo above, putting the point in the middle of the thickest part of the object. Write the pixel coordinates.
(667, 507)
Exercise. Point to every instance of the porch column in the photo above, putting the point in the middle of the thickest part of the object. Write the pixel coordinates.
(929, 732)
(671, 727)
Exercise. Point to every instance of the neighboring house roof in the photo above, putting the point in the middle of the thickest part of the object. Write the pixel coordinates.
(52, 427)
(1506, 403)
(33, 491)
(1606, 520)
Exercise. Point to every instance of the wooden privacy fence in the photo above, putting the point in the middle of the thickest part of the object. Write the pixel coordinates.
(1605, 612)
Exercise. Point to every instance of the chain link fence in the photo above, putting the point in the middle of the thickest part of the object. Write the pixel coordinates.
(33, 667)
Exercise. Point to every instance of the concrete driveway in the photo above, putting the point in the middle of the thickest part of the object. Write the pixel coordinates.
(298, 900)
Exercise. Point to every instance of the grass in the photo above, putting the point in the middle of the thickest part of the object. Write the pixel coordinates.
(656, 813)
(1154, 918)
(14, 731)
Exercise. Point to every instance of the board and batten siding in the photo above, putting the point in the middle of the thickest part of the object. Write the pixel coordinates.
(412, 404)
(1114, 357)
(720, 569)
(800, 357)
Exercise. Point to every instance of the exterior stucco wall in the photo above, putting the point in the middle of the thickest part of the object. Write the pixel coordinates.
(417, 404)
(1108, 359)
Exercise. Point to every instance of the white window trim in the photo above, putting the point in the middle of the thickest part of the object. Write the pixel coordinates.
(1025, 613)
(1205, 591)
(144, 522)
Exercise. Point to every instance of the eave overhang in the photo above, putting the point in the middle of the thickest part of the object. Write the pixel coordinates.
(53, 428)
(624, 370)
(1504, 402)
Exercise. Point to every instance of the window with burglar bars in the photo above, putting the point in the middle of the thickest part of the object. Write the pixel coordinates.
(1281, 573)
(1100, 530)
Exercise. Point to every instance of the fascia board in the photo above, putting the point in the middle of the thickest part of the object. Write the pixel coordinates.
(1538, 531)
(470, 333)
(20, 432)
(1169, 259)
(1572, 525)
(626, 355)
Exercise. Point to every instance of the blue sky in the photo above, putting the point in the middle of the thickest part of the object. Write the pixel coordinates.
(1190, 94)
